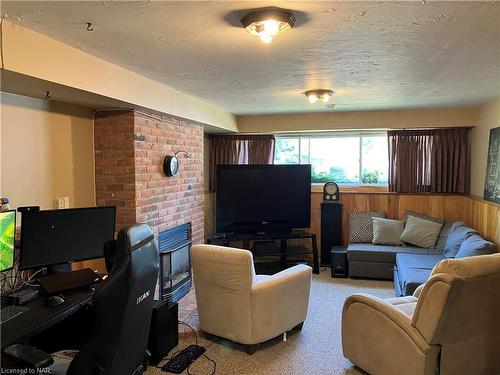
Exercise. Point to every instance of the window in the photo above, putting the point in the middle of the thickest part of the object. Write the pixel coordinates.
(345, 159)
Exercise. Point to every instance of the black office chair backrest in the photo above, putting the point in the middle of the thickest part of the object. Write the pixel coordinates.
(122, 308)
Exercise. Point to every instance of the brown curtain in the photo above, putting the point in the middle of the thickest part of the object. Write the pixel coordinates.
(431, 161)
(239, 149)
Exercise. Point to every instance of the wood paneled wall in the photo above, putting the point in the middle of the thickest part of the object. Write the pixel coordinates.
(209, 200)
(481, 215)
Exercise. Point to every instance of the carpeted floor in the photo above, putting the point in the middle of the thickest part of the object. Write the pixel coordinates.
(315, 350)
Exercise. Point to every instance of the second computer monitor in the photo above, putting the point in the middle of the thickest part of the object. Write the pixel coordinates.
(64, 236)
(7, 236)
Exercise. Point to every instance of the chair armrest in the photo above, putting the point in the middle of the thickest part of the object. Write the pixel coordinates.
(297, 272)
(27, 355)
(280, 302)
(398, 317)
(417, 291)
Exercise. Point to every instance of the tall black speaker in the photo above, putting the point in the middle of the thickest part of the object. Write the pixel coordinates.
(331, 229)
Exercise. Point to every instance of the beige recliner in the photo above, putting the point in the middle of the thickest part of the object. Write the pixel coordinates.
(235, 303)
(451, 325)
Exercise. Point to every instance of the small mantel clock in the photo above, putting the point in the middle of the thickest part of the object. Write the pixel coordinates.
(330, 192)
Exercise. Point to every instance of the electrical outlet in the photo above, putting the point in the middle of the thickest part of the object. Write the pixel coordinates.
(59, 202)
(62, 202)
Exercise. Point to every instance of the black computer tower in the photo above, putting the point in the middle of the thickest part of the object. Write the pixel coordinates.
(164, 333)
(331, 229)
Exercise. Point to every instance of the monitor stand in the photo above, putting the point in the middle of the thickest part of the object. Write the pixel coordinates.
(58, 268)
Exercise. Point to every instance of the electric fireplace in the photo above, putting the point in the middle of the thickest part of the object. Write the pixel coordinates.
(175, 265)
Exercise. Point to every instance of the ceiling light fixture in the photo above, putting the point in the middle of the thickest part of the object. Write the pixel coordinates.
(318, 95)
(268, 22)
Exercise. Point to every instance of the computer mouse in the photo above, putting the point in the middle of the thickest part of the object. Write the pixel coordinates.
(54, 301)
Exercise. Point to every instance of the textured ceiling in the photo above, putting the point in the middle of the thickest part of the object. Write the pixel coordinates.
(375, 55)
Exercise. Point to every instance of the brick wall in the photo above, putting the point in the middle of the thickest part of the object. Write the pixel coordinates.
(130, 148)
(165, 202)
(115, 164)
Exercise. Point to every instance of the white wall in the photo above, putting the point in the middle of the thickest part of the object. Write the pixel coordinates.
(489, 117)
(46, 152)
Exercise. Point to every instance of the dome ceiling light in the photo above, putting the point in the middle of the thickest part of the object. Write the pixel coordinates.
(318, 95)
(268, 22)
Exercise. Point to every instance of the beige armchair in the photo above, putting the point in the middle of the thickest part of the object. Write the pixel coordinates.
(451, 325)
(235, 303)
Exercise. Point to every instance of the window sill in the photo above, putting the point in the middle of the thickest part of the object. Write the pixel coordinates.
(352, 188)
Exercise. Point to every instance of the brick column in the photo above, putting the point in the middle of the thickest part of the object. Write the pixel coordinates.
(115, 164)
(129, 152)
(165, 202)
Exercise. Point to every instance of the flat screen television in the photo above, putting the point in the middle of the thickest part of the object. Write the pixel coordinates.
(263, 198)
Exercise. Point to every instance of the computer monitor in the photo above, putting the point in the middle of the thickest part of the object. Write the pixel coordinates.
(53, 237)
(7, 238)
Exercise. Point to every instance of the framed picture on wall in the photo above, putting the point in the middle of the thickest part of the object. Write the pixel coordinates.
(492, 181)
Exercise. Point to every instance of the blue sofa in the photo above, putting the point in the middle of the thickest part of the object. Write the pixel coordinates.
(410, 266)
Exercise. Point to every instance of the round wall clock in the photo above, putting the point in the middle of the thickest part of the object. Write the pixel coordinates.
(331, 192)
(170, 165)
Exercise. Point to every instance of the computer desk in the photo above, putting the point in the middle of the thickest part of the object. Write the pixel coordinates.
(41, 317)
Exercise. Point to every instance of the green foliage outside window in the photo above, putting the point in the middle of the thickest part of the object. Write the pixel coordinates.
(373, 177)
(337, 158)
(335, 174)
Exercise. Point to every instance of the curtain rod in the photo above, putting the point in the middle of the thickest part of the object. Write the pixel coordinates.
(304, 133)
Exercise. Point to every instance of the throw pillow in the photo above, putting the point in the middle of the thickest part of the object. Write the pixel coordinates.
(421, 232)
(361, 226)
(445, 231)
(408, 212)
(387, 231)
(458, 234)
(475, 245)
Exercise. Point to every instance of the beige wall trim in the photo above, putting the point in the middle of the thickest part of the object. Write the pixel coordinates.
(369, 120)
(36, 55)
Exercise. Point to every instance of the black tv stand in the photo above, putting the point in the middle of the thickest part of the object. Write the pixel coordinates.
(225, 239)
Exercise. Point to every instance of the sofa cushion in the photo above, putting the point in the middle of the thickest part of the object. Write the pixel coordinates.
(387, 231)
(458, 234)
(414, 270)
(445, 231)
(371, 270)
(374, 253)
(421, 232)
(361, 225)
(407, 213)
(475, 245)
(382, 253)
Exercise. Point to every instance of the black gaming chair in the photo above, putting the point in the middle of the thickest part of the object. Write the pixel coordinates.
(122, 307)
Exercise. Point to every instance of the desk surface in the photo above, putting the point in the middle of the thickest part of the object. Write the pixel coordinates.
(40, 317)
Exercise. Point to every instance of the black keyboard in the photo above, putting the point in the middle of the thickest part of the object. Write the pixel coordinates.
(181, 361)
(10, 312)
